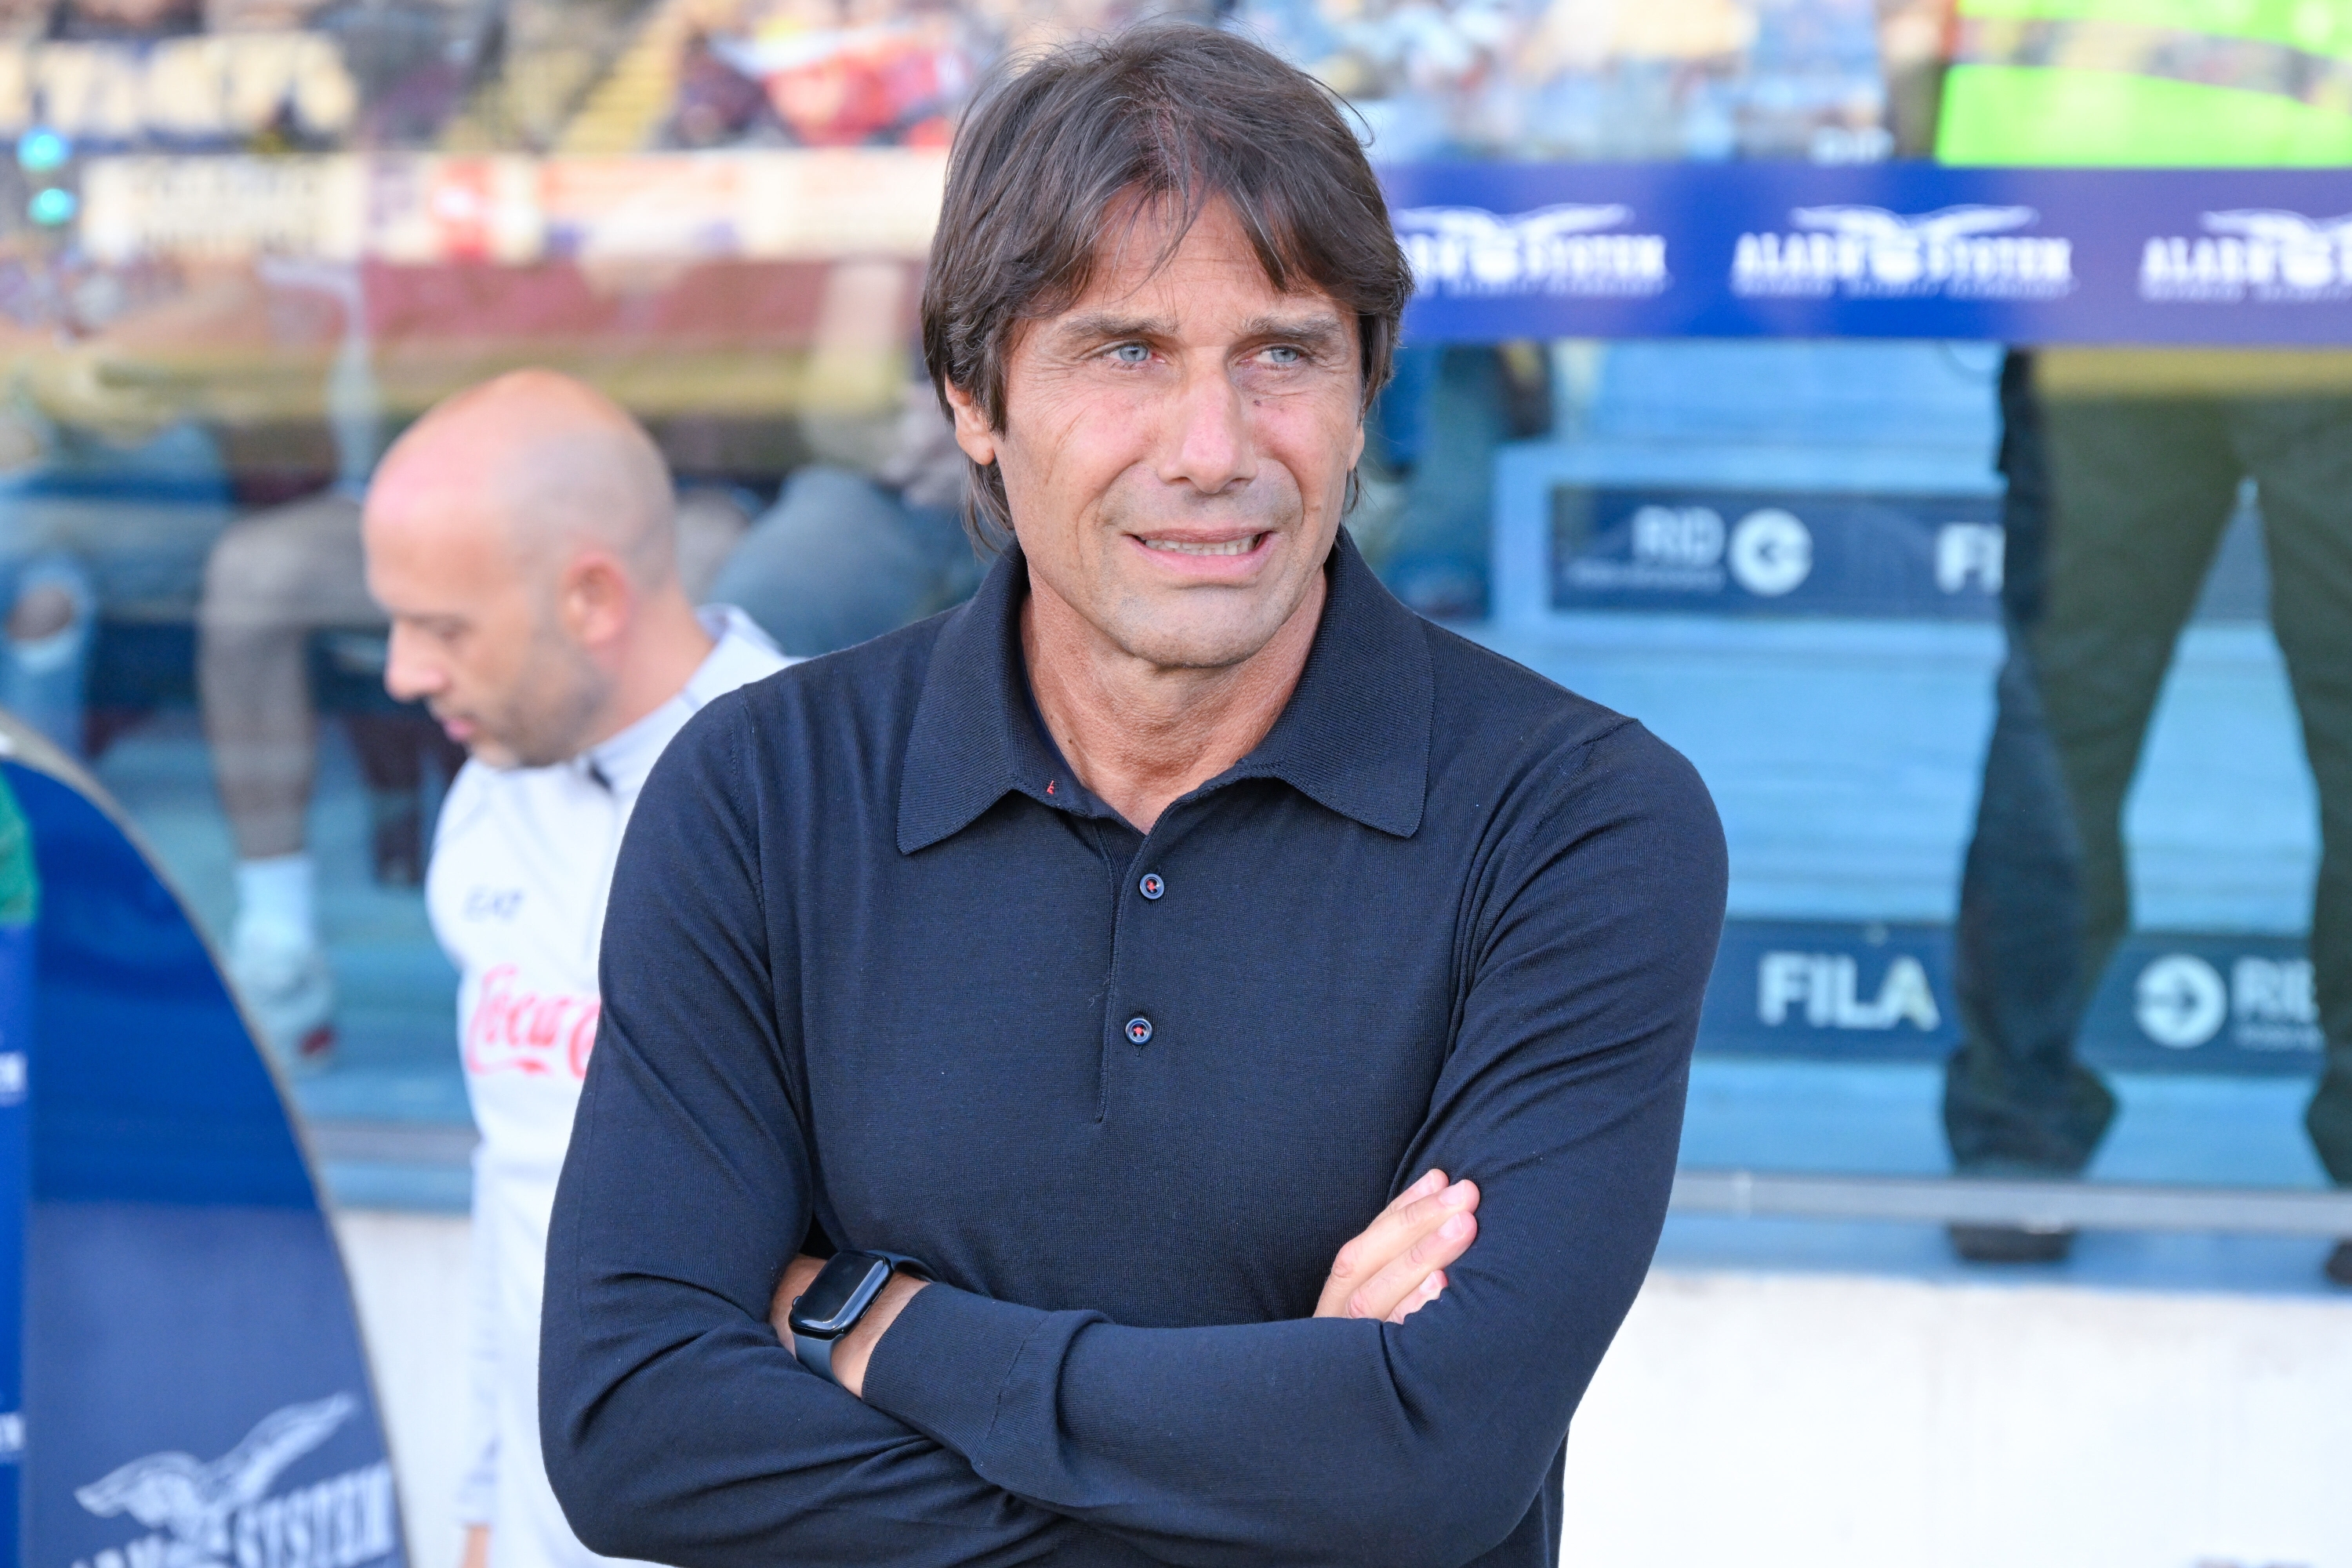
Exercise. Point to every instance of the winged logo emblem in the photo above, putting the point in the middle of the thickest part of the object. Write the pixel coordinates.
(1899, 245)
(193, 1500)
(2308, 248)
(1473, 250)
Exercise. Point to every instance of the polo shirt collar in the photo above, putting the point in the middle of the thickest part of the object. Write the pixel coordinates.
(1354, 737)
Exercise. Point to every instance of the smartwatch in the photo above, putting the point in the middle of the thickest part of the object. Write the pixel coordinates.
(836, 1298)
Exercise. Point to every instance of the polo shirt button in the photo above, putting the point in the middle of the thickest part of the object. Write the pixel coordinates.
(1151, 886)
(1139, 1030)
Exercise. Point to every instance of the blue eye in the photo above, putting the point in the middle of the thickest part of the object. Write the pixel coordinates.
(1131, 353)
(1284, 353)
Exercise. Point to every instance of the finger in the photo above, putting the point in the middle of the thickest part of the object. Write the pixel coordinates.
(1387, 1290)
(1428, 1290)
(1408, 1220)
(1370, 1250)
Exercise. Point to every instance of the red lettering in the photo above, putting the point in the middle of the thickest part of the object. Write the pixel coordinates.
(583, 1037)
(514, 1030)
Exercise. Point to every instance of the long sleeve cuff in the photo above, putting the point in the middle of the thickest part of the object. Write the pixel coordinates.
(944, 1366)
(477, 1495)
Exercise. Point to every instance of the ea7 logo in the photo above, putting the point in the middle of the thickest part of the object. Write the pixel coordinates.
(2277, 257)
(219, 1515)
(1470, 253)
(1960, 252)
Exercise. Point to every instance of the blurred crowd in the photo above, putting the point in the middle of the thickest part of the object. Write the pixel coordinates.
(1532, 79)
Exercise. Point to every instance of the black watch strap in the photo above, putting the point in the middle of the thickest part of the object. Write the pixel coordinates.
(816, 1353)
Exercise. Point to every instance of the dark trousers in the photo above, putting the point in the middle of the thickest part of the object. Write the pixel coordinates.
(2116, 508)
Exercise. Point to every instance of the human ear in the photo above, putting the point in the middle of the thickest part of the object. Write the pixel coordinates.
(973, 432)
(595, 599)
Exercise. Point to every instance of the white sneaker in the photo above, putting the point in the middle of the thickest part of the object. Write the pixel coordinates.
(286, 987)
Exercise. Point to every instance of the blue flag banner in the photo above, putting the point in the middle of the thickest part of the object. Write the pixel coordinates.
(195, 1393)
(1879, 251)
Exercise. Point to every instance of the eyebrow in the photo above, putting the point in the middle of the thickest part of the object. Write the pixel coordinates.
(1102, 327)
(1319, 330)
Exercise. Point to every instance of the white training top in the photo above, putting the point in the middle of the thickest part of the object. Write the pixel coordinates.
(522, 860)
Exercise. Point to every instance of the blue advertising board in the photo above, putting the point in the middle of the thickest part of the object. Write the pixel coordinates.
(1725, 550)
(1890, 250)
(17, 974)
(195, 1393)
(2168, 1002)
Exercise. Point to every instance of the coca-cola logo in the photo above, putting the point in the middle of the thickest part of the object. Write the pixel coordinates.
(514, 1029)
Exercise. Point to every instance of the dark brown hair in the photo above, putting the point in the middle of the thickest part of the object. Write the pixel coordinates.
(1063, 147)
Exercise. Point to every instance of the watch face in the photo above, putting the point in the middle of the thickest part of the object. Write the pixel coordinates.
(840, 1293)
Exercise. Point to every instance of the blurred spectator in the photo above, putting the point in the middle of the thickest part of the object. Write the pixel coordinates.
(2123, 476)
(125, 19)
(520, 536)
(93, 524)
(271, 581)
(842, 73)
(51, 607)
(842, 557)
(1436, 426)
(1594, 79)
(717, 104)
(2125, 467)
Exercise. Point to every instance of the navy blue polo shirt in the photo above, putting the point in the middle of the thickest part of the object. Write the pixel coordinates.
(875, 957)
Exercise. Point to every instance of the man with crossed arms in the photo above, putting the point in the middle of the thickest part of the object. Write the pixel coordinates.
(1088, 962)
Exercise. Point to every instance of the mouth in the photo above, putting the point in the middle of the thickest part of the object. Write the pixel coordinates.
(1242, 545)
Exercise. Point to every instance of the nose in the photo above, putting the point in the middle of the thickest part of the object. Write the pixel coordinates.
(409, 675)
(1209, 442)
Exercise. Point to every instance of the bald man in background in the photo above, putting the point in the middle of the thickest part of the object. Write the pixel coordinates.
(521, 539)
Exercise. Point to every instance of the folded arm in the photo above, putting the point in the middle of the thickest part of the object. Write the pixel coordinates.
(1390, 1271)
(679, 1429)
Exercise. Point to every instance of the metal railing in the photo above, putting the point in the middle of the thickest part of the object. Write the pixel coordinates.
(2032, 1205)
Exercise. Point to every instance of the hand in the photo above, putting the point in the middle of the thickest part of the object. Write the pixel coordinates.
(475, 1553)
(1397, 1265)
(856, 1348)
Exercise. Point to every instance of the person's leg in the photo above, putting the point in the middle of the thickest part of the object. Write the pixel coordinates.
(51, 616)
(837, 560)
(2141, 490)
(2015, 1101)
(271, 580)
(2300, 453)
(1438, 557)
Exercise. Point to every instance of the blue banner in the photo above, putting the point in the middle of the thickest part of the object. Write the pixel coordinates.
(1894, 250)
(1744, 553)
(2168, 1003)
(195, 1392)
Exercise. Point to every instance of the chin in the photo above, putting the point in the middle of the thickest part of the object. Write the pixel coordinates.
(1199, 642)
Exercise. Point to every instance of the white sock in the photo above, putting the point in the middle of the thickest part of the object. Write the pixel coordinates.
(274, 900)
